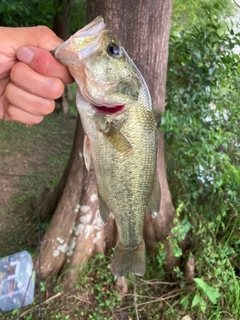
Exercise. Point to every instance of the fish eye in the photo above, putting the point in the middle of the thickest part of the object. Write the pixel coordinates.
(114, 50)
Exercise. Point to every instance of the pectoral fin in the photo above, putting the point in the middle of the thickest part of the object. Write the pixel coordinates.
(87, 152)
(111, 132)
(117, 139)
(155, 198)
(103, 209)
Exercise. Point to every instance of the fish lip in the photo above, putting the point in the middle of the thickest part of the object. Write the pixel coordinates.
(108, 110)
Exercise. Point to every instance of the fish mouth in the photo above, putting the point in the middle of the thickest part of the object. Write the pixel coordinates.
(108, 110)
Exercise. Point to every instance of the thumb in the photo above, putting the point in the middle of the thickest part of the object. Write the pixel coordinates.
(43, 62)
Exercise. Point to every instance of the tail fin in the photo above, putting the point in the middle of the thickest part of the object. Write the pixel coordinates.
(126, 260)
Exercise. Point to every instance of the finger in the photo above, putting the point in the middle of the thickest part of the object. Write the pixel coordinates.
(3, 83)
(15, 114)
(40, 36)
(44, 63)
(28, 102)
(29, 80)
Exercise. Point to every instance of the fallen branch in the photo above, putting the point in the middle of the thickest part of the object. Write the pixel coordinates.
(135, 302)
(163, 299)
(114, 316)
(77, 298)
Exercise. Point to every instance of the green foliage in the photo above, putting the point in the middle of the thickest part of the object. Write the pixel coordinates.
(101, 287)
(179, 232)
(161, 259)
(25, 13)
(217, 292)
(202, 138)
(200, 124)
(42, 286)
(189, 13)
(78, 15)
(211, 293)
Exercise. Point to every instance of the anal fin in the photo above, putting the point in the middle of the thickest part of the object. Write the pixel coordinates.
(129, 260)
(155, 197)
(103, 209)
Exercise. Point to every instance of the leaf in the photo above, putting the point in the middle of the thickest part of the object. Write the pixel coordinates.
(211, 293)
(196, 300)
(200, 283)
(203, 306)
(107, 302)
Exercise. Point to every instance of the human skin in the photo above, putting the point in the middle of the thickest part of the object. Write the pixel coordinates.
(30, 78)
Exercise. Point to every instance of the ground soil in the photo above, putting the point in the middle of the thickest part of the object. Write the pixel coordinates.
(19, 162)
(12, 168)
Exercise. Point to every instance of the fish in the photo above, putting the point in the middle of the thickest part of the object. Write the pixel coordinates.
(120, 140)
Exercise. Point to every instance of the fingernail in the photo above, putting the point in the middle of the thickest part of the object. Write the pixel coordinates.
(25, 55)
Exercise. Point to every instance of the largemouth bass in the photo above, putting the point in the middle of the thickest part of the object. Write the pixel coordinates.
(120, 136)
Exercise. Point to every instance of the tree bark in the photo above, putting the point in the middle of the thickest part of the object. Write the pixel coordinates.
(76, 231)
(61, 20)
(61, 26)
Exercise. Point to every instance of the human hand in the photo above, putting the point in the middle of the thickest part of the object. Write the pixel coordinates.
(30, 78)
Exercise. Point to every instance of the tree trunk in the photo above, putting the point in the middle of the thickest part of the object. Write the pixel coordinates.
(61, 26)
(61, 20)
(76, 231)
